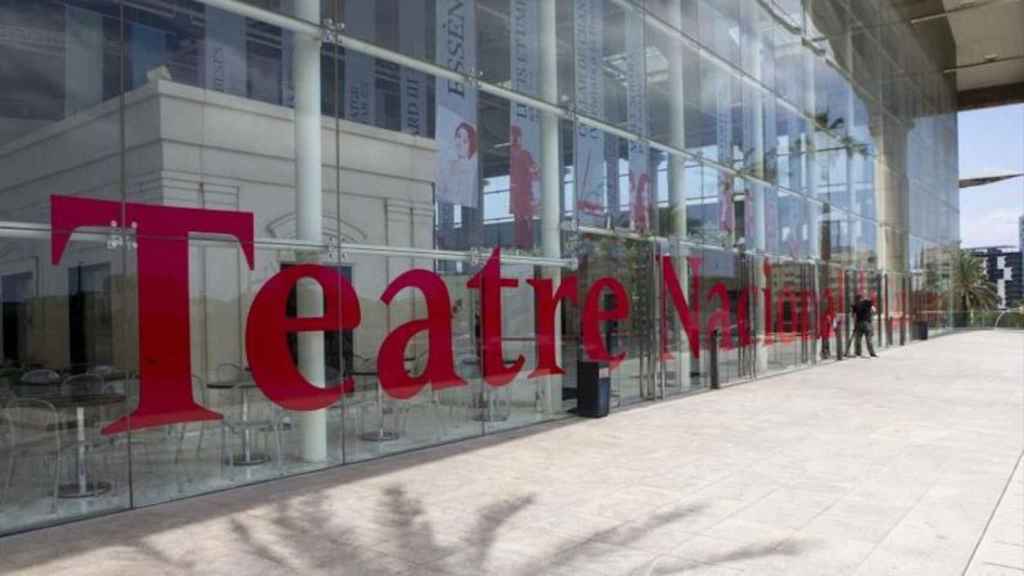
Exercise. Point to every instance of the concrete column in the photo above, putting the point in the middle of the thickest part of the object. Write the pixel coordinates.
(551, 176)
(309, 219)
(677, 174)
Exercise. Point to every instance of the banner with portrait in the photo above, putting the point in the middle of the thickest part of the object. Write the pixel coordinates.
(640, 183)
(457, 178)
(524, 124)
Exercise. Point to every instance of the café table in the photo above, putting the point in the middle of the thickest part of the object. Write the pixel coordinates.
(83, 487)
(247, 457)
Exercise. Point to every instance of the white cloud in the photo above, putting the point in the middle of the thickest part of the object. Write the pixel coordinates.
(991, 228)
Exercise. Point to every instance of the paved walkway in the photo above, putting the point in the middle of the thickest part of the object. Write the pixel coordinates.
(887, 466)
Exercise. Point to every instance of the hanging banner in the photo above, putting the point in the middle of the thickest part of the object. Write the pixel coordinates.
(412, 41)
(457, 179)
(636, 116)
(83, 59)
(524, 124)
(360, 94)
(590, 175)
(723, 132)
(224, 61)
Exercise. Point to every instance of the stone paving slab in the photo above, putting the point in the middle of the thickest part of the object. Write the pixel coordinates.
(1001, 548)
(897, 465)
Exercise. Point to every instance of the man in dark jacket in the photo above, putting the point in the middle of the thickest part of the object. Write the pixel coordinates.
(862, 324)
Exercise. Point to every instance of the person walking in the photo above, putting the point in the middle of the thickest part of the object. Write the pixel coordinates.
(862, 312)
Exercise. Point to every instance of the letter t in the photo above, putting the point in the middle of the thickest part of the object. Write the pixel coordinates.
(165, 379)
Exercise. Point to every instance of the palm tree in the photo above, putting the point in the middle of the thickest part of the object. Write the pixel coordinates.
(971, 287)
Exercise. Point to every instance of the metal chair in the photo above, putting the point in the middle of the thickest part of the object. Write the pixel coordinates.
(40, 376)
(247, 417)
(82, 384)
(199, 394)
(360, 400)
(102, 370)
(426, 400)
(90, 383)
(9, 378)
(31, 424)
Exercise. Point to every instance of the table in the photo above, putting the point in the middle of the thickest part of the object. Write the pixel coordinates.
(246, 457)
(380, 434)
(83, 487)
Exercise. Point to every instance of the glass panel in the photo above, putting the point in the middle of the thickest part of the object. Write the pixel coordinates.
(67, 376)
(673, 90)
(630, 263)
(682, 368)
(727, 303)
(721, 28)
(609, 52)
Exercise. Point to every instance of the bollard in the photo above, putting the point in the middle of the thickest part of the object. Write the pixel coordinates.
(839, 344)
(713, 359)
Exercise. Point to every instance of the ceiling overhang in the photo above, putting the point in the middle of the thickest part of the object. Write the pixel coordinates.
(987, 60)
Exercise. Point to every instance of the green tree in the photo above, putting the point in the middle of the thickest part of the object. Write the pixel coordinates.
(971, 286)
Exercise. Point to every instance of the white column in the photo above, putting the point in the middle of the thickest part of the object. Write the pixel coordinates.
(551, 176)
(308, 218)
(677, 175)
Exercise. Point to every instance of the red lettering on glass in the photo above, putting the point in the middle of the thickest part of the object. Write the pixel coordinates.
(689, 316)
(594, 313)
(268, 326)
(165, 371)
(719, 319)
(440, 369)
(489, 282)
(545, 309)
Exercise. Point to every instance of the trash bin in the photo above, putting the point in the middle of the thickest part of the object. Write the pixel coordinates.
(594, 392)
(922, 329)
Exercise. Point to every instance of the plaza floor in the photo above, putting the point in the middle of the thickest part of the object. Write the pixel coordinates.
(904, 464)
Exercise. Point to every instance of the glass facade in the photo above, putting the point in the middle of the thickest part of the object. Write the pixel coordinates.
(247, 239)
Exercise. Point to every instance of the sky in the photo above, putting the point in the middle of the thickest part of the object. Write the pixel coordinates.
(991, 141)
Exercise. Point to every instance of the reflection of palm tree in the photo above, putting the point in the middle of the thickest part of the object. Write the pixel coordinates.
(971, 286)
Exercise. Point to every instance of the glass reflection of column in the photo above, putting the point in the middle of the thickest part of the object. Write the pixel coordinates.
(757, 115)
(811, 160)
(551, 178)
(308, 218)
(677, 174)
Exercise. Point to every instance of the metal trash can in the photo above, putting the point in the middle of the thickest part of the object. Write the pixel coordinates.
(594, 392)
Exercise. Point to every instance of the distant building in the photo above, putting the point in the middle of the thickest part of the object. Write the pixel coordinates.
(1006, 270)
(1020, 224)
